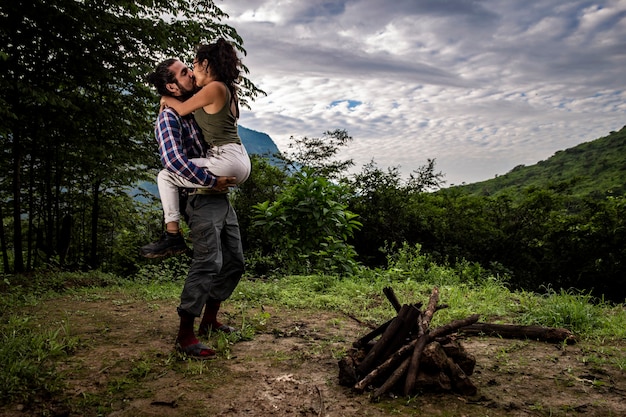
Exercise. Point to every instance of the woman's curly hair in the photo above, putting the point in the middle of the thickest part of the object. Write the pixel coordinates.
(223, 61)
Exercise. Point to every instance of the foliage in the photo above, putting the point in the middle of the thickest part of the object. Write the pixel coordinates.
(594, 168)
(533, 237)
(77, 117)
(265, 183)
(320, 154)
(173, 269)
(309, 225)
(408, 262)
(385, 204)
(21, 289)
(574, 310)
(28, 360)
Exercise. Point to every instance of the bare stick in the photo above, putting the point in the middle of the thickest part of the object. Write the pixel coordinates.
(384, 367)
(380, 346)
(419, 347)
(391, 296)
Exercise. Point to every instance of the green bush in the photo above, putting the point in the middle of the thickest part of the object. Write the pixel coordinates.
(308, 226)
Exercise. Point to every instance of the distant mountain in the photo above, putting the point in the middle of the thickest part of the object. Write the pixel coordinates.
(596, 168)
(257, 143)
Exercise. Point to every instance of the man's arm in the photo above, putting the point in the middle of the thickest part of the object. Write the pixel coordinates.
(169, 131)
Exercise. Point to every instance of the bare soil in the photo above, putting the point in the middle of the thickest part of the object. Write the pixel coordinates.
(126, 366)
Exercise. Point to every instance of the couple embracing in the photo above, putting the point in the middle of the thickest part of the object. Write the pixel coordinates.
(202, 156)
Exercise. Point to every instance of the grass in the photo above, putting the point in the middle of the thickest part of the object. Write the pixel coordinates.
(28, 354)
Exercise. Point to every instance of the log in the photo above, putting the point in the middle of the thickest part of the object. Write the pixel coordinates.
(372, 335)
(422, 341)
(347, 372)
(459, 355)
(391, 296)
(419, 347)
(386, 366)
(454, 326)
(434, 358)
(512, 331)
(392, 380)
(372, 356)
(460, 381)
(402, 336)
(439, 381)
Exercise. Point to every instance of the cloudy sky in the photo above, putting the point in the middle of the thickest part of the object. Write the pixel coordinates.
(481, 86)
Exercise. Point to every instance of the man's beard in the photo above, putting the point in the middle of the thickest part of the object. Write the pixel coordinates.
(185, 94)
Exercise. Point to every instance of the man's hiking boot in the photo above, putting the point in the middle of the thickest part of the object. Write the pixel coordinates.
(170, 244)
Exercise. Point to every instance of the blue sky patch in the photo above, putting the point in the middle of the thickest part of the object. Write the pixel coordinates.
(351, 103)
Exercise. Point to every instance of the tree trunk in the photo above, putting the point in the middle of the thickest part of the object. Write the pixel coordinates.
(30, 253)
(18, 257)
(95, 212)
(3, 245)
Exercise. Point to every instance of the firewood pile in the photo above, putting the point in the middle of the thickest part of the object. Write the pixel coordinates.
(409, 356)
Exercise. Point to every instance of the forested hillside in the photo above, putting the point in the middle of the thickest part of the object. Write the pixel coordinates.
(596, 168)
(257, 143)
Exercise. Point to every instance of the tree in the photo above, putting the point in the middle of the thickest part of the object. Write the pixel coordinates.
(387, 209)
(76, 116)
(319, 154)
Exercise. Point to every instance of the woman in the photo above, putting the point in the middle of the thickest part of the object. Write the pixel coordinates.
(216, 110)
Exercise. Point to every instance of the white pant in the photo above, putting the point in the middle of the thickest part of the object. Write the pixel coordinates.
(230, 160)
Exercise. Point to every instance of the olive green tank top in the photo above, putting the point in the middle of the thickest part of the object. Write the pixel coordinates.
(220, 128)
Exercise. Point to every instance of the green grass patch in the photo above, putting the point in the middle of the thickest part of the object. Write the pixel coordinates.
(28, 353)
(27, 359)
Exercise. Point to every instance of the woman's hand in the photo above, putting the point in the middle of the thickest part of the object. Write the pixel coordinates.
(162, 104)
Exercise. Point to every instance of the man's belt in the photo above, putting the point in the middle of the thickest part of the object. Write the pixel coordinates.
(206, 191)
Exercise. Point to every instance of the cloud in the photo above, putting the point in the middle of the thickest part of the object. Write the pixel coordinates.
(481, 86)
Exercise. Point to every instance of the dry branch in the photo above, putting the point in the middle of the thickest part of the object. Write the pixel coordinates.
(383, 342)
(391, 296)
(421, 344)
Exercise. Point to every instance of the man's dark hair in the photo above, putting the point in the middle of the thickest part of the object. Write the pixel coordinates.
(163, 76)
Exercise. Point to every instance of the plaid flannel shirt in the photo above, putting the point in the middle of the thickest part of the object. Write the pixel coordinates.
(179, 139)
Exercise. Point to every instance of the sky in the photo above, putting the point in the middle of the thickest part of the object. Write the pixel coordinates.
(479, 86)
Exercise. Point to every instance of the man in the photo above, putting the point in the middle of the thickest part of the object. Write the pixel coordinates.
(218, 261)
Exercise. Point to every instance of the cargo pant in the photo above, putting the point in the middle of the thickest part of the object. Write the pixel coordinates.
(218, 261)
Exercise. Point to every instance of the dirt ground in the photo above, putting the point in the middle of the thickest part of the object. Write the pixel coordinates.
(125, 366)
